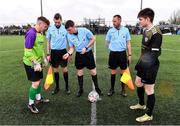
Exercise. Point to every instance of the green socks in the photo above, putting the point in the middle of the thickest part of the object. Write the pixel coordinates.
(32, 95)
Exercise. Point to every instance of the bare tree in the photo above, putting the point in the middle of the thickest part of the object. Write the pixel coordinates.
(175, 17)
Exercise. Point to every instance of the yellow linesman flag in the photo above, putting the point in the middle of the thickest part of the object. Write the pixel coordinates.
(49, 79)
(126, 79)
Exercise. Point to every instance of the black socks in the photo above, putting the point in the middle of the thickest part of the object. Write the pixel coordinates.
(150, 104)
(56, 76)
(113, 79)
(80, 81)
(65, 74)
(140, 93)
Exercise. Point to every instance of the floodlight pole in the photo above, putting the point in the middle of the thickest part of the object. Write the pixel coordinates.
(141, 5)
(41, 8)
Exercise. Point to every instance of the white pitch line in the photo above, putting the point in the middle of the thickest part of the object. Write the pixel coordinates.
(93, 105)
(13, 50)
(163, 49)
(171, 50)
(93, 114)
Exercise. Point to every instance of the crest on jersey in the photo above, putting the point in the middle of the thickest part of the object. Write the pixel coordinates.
(146, 39)
(84, 39)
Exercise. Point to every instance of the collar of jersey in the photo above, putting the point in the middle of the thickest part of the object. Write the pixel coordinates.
(150, 28)
(119, 28)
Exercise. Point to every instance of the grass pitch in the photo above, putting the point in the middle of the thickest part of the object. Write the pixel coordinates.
(68, 109)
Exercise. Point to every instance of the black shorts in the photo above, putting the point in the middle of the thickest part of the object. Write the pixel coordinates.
(33, 75)
(117, 59)
(85, 60)
(57, 58)
(148, 76)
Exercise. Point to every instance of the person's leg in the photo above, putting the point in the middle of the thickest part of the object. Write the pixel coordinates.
(79, 63)
(149, 89)
(140, 94)
(55, 62)
(140, 90)
(122, 62)
(113, 80)
(65, 75)
(91, 65)
(38, 95)
(112, 62)
(56, 76)
(35, 78)
(149, 83)
(32, 96)
(39, 98)
(80, 81)
(95, 80)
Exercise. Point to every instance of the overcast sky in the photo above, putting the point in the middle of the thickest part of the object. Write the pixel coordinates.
(26, 11)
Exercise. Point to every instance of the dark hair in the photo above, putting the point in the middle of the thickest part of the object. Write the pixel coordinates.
(44, 19)
(69, 23)
(147, 12)
(117, 15)
(57, 16)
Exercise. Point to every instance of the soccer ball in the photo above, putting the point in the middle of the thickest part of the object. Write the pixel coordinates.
(93, 96)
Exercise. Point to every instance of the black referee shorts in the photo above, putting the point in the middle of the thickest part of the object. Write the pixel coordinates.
(33, 75)
(117, 59)
(85, 60)
(57, 58)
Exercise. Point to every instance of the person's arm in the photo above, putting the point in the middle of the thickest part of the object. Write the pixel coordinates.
(107, 44)
(150, 58)
(156, 44)
(48, 47)
(129, 51)
(108, 38)
(44, 57)
(91, 43)
(48, 50)
(29, 43)
(91, 38)
(48, 36)
(69, 53)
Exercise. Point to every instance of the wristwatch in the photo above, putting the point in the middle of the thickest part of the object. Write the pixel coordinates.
(86, 48)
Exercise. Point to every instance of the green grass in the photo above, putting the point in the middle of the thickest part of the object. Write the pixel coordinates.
(65, 109)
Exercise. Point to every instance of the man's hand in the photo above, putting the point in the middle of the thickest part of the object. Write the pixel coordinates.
(65, 56)
(83, 51)
(37, 66)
